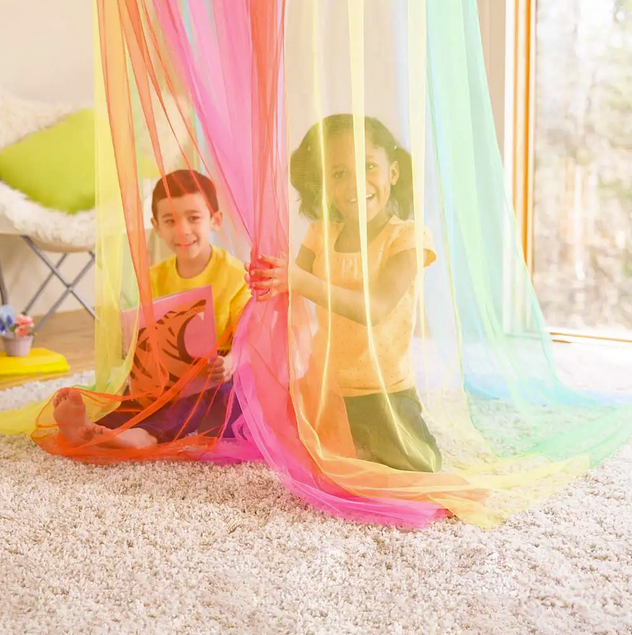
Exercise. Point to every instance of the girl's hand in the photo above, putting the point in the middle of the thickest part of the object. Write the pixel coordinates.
(220, 369)
(268, 277)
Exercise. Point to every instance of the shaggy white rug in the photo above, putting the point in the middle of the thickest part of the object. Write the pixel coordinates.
(198, 549)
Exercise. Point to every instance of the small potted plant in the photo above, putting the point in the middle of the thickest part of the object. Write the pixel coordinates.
(17, 334)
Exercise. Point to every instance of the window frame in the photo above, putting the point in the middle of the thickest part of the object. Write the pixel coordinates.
(520, 41)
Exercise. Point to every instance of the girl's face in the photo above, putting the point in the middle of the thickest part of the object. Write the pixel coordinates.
(340, 175)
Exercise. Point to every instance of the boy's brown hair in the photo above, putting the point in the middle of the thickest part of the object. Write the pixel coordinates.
(183, 182)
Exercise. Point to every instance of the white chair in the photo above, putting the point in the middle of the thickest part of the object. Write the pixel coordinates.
(48, 231)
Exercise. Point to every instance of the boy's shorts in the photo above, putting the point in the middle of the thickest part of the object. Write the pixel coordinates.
(205, 413)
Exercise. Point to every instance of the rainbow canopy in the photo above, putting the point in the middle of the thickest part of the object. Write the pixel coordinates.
(406, 372)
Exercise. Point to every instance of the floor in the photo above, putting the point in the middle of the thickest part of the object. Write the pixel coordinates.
(71, 334)
(199, 549)
(195, 548)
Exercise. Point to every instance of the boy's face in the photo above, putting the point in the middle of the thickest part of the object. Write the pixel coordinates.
(381, 174)
(185, 223)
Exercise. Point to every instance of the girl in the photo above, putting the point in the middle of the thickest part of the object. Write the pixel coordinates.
(377, 382)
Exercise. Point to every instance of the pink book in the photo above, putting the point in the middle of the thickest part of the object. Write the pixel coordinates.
(186, 330)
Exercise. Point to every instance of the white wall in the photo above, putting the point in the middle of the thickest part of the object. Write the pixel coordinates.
(493, 19)
(46, 49)
(46, 53)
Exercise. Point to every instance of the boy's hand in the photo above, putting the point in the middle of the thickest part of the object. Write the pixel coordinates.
(220, 369)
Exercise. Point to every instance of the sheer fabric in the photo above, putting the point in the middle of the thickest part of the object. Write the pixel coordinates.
(407, 374)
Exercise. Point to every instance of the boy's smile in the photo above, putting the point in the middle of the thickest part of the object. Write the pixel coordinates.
(186, 245)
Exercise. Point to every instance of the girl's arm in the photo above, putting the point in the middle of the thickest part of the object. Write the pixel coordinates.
(393, 281)
(305, 259)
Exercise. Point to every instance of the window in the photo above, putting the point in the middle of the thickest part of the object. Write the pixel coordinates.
(573, 160)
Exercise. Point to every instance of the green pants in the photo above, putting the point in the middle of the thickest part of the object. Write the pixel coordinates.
(389, 429)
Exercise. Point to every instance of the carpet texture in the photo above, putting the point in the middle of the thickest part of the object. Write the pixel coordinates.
(198, 549)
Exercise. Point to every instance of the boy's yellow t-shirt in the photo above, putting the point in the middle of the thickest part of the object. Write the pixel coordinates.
(230, 292)
(345, 342)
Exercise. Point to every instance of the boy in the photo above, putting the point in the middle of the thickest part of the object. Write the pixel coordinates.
(185, 213)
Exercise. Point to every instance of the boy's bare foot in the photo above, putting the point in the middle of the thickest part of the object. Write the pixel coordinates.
(74, 425)
(72, 419)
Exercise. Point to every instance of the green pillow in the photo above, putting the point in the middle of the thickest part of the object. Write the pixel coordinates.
(55, 167)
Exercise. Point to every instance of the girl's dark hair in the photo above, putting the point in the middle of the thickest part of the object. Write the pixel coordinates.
(181, 182)
(306, 164)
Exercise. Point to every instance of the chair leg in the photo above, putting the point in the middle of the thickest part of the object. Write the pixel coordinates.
(70, 286)
(44, 284)
(69, 291)
(4, 293)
